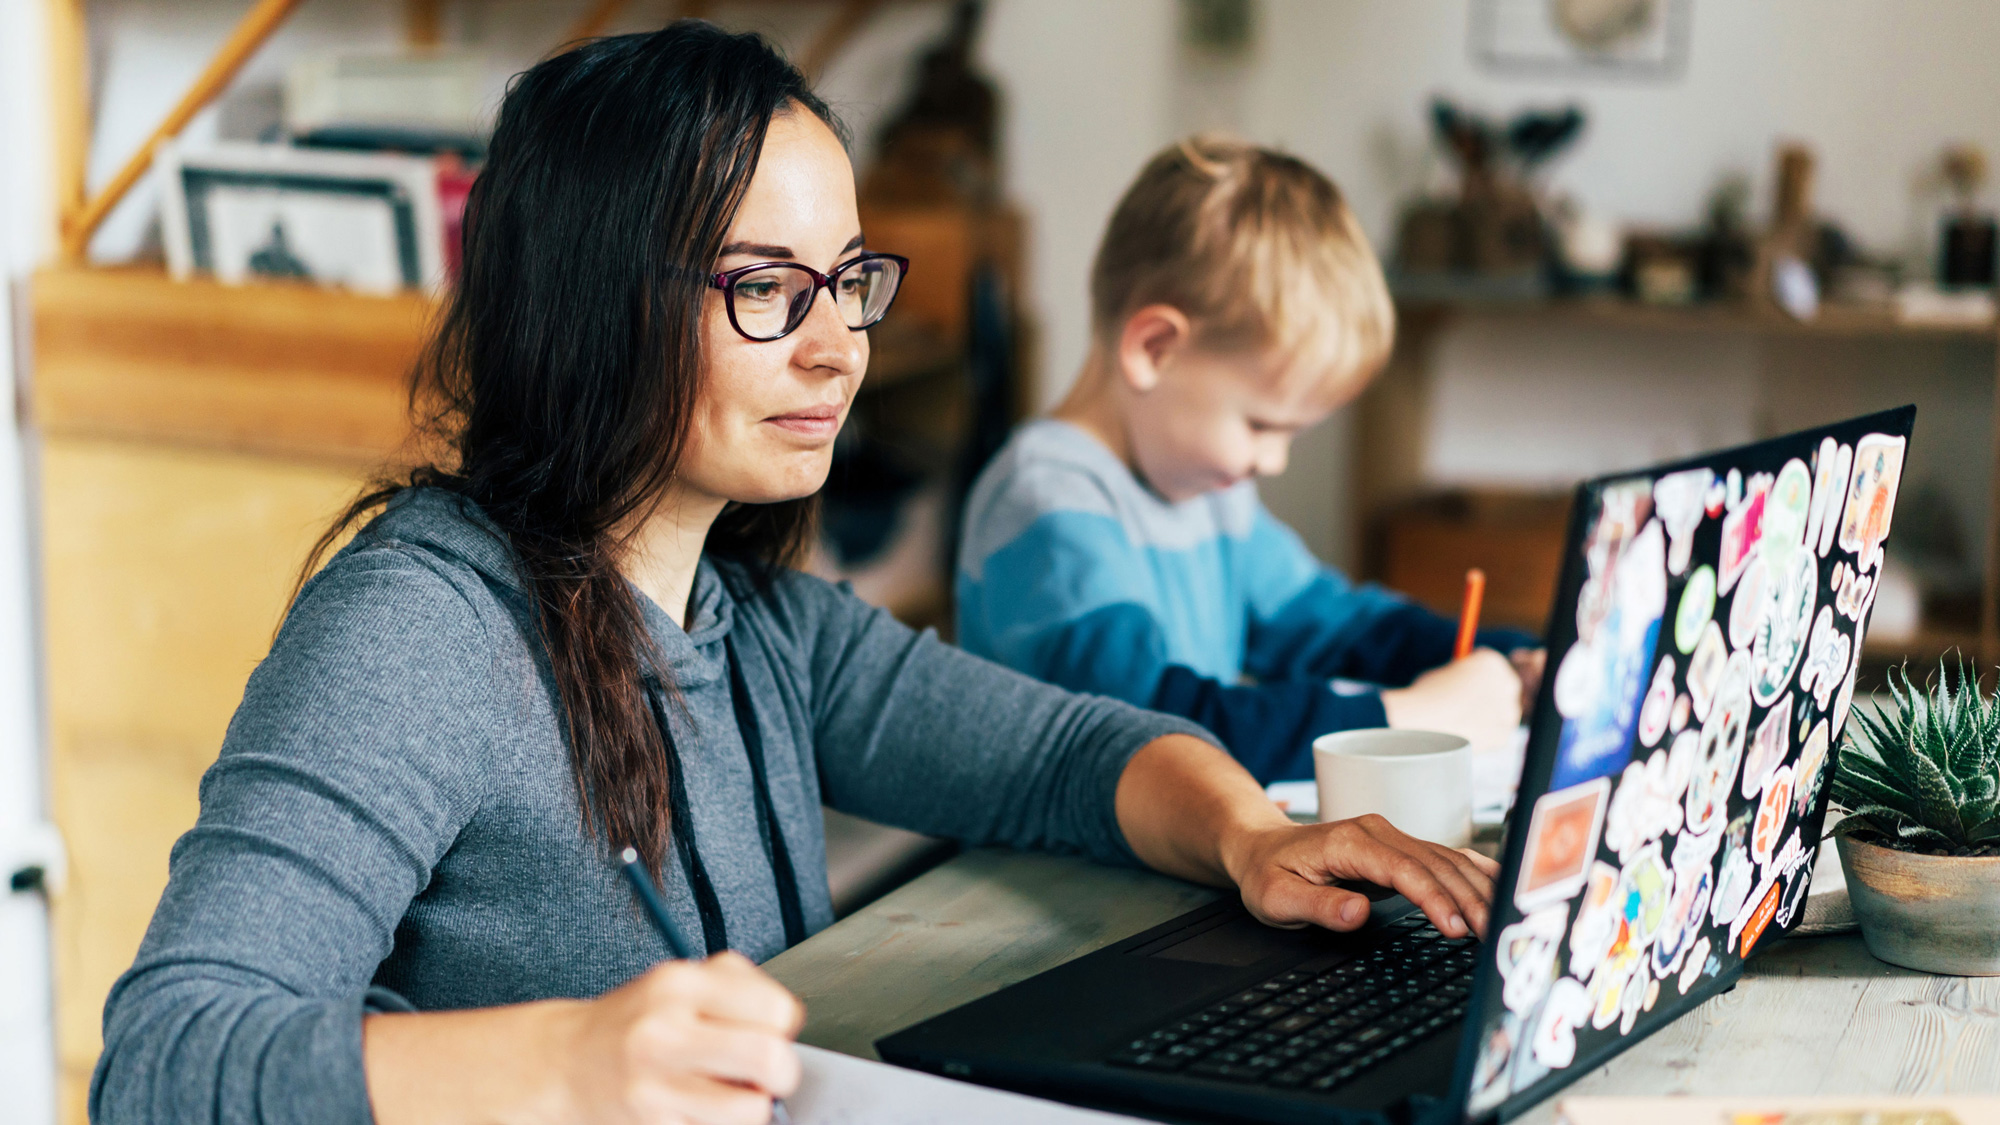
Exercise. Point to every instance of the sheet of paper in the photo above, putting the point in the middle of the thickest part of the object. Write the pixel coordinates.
(1857, 1109)
(843, 1090)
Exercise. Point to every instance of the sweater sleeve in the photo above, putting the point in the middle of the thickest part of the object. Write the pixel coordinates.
(344, 776)
(915, 733)
(1308, 621)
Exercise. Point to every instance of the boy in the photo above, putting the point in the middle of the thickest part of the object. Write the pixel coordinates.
(1119, 547)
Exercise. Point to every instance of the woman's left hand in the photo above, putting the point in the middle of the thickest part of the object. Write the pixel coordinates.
(1285, 875)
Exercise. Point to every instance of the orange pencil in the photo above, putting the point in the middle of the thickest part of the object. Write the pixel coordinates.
(1468, 615)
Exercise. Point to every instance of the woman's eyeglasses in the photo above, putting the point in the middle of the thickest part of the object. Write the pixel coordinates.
(771, 299)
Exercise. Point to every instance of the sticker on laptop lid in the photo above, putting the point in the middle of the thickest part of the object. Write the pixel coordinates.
(1562, 841)
(1810, 773)
(1827, 657)
(1742, 528)
(1679, 498)
(1787, 511)
(1720, 750)
(1829, 481)
(1567, 1009)
(1691, 968)
(1696, 608)
(1526, 957)
(1746, 607)
(1790, 596)
(1871, 497)
(1774, 812)
(1597, 920)
(1704, 674)
(1658, 709)
(1771, 745)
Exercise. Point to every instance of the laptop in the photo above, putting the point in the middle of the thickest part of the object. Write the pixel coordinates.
(1703, 650)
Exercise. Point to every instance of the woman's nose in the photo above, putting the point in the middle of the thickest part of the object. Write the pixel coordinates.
(825, 342)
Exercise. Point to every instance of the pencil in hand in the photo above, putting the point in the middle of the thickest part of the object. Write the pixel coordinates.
(1468, 614)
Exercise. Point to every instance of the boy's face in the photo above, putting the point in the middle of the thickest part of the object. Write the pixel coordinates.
(1214, 419)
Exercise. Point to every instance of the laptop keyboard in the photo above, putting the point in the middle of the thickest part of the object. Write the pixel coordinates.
(1316, 1030)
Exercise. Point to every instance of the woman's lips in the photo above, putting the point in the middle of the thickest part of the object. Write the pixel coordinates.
(818, 422)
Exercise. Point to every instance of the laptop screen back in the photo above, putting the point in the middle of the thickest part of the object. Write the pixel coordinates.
(1702, 659)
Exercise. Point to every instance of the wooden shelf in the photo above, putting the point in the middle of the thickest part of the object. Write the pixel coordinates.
(281, 369)
(1835, 320)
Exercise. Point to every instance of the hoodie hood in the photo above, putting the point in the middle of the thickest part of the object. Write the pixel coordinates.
(456, 531)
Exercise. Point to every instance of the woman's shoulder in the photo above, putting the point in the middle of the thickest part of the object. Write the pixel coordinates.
(428, 570)
(798, 610)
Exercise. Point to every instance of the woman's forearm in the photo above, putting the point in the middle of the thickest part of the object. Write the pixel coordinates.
(483, 1065)
(1183, 804)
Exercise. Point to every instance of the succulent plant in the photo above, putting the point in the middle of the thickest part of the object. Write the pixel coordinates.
(1925, 776)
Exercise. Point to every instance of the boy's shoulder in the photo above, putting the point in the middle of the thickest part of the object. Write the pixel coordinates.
(1051, 467)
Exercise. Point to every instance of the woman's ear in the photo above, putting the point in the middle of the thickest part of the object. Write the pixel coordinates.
(1149, 340)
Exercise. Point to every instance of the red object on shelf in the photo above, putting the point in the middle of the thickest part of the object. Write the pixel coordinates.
(454, 182)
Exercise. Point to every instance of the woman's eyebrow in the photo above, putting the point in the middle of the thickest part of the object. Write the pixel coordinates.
(771, 250)
(760, 249)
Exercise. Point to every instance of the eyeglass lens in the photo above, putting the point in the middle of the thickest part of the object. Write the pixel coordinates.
(773, 301)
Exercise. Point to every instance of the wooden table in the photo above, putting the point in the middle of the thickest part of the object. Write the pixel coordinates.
(1811, 1016)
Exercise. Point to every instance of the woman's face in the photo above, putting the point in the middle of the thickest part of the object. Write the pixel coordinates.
(764, 424)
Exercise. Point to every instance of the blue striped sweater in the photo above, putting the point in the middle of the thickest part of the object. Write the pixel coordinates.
(1073, 571)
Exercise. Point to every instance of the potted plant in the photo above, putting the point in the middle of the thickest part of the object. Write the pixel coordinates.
(1921, 841)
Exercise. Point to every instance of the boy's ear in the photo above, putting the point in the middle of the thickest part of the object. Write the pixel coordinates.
(1149, 339)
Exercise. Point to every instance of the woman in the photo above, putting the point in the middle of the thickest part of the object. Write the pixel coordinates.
(401, 897)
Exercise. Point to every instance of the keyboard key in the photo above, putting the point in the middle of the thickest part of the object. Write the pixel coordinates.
(1294, 1023)
(1289, 1079)
(1270, 1011)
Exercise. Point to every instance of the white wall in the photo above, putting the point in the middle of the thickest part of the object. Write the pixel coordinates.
(27, 1046)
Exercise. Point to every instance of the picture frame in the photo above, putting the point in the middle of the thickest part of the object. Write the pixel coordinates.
(370, 222)
(1642, 40)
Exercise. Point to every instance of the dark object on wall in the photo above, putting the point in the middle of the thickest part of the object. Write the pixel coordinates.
(1218, 27)
(943, 146)
(1615, 39)
(1495, 227)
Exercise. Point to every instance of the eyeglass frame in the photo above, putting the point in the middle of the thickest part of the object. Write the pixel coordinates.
(726, 282)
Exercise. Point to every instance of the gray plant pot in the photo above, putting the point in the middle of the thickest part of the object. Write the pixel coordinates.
(1939, 914)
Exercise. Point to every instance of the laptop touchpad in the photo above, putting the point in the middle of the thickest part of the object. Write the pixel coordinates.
(1240, 942)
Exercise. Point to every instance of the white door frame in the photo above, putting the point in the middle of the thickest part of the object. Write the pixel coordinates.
(27, 228)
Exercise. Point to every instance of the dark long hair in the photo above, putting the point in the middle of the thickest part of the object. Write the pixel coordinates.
(564, 372)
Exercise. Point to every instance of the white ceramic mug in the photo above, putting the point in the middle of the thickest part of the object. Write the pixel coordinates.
(1420, 780)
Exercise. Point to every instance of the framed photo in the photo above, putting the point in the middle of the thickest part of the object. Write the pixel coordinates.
(363, 221)
(1631, 39)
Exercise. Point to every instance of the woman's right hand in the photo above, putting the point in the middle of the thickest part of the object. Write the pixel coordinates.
(685, 1043)
(1477, 698)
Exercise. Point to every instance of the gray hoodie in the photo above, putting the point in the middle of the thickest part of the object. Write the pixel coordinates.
(392, 822)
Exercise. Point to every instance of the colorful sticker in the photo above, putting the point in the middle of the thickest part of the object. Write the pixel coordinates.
(1696, 610)
(1527, 958)
(1852, 590)
(1734, 874)
(1695, 851)
(1705, 667)
(1562, 841)
(1809, 774)
(1787, 510)
(1829, 478)
(1747, 607)
(1827, 656)
(1567, 1008)
(1683, 710)
(1678, 498)
(1692, 967)
(1684, 917)
(1489, 1075)
(1624, 819)
(1782, 627)
(1798, 887)
(1752, 924)
(1871, 497)
(1720, 750)
(1606, 673)
(1773, 813)
(1596, 921)
(1772, 745)
(1742, 528)
(1659, 706)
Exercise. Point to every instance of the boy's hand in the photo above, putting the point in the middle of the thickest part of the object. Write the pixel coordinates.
(1284, 874)
(1528, 664)
(1477, 698)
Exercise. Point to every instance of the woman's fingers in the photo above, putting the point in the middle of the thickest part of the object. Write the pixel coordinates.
(699, 1100)
(729, 988)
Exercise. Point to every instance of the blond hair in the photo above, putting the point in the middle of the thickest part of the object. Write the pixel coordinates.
(1257, 248)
